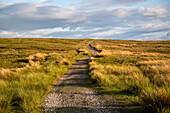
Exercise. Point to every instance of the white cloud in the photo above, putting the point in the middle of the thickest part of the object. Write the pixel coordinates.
(151, 11)
(102, 34)
(9, 34)
(38, 20)
(121, 13)
(103, 4)
(35, 16)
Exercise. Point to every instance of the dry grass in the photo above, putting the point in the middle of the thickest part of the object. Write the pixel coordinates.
(64, 62)
(158, 99)
(119, 52)
(25, 83)
(157, 71)
(30, 58)
(18, 70)
(104, 53)
(139, 68)
(145, 54)
(92, 59)
(127, 45)
(122, 69)
(98, 47)
(37, 57)
(5, 73)
(155, 62)
(81, 50)
(50, 54)
(110, 46)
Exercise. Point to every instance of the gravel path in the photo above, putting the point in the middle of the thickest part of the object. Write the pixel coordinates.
(72, 94)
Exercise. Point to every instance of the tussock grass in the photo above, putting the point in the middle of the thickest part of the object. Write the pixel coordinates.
(104, 53)
(64, 62)
(92, 59)
(157, 99)
(81, 50)
(27, 72)
(5, 73)
(139, 70)
(119, 52)
(157, 71)
(155, 62)
(37, 57)
(98, 47)
(127, 45)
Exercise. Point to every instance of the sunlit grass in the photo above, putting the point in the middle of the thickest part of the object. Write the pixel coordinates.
(28, 68)
(139, 70)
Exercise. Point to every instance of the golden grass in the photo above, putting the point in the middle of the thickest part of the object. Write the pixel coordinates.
(125, 77)
(110, 46)
(37, 57)
(92, 59)
(144, 73)
(145, 54)
(30, 58)
(18, 70)
(64, 62)
(33, 62)
(127, 45)
(158, 99)
(122, 69)
(81, 50)
(120, 52)
(104, 53)
(50, 54)
(98, 47)
(157, 71)
(155, 62)
(5, 73)
(31, 77)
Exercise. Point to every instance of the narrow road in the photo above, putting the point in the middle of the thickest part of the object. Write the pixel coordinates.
(72, 94)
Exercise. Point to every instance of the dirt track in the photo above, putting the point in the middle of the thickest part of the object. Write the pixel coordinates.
(72, 94)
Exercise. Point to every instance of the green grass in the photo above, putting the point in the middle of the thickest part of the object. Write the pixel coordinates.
(136, 72)
(24, 82)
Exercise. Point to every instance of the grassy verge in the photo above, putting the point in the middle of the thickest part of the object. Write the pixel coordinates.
(137, 73)
(25, 80)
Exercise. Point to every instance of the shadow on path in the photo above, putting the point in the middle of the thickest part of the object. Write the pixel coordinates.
(72, 94)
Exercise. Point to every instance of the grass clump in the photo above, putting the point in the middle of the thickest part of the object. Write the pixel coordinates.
(98, 47)
(84, 51)
(64, 62)
(37, 57)
(157, 99)
(103, 53)
(5, 73)
(28, 72)
(136, 71)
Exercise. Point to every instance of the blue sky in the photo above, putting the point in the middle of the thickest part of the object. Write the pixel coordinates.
(155, 2)
(98, 19)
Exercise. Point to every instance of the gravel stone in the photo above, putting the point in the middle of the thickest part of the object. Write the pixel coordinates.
(72, 94)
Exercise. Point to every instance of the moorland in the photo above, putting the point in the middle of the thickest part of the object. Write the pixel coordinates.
(134, 72)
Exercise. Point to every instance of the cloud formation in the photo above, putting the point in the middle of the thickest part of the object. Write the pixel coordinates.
(104, 4)
(25, 16)
(39, 20)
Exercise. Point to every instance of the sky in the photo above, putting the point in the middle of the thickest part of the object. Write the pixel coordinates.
(78, 19)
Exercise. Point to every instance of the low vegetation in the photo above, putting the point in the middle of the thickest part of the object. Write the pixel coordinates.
(136, 72)
(28, 68)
